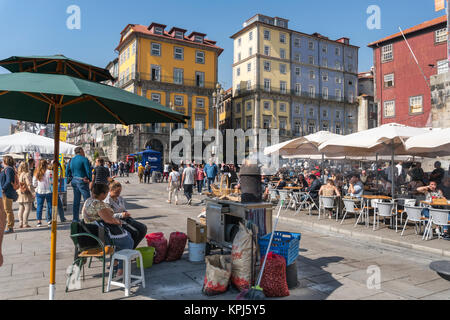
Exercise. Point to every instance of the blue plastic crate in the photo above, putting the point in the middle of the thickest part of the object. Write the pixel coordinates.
(285, 244)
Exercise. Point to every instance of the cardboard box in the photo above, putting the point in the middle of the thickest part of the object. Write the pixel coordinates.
(195, 231)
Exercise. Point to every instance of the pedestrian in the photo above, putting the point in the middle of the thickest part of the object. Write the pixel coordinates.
(199, 177)
(41, 181)
(121, 168)
(147, 172)
(141, 172)
(181, 168)
(211, 173)
(174, 185)
(127, 168)
(60, 205)
(26, 195)
(79, 170)
(188, 180)
(136, 166)
(2, 227)
(100, 173)
(166, 172)
(9, 184)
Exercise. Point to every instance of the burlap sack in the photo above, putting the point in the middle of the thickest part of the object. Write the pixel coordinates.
(241, 258)
(218, 272)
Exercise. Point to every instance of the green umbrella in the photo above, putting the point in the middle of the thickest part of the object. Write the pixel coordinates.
(56, 64)
(52, 98)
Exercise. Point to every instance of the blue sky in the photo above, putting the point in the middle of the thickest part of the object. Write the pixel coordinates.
(39, 27)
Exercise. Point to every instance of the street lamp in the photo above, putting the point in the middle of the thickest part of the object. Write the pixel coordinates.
(218, 98)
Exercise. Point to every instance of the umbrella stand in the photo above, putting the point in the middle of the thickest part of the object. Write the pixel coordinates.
(51, 293)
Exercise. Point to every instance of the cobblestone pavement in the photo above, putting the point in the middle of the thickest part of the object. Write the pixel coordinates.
(330, 265)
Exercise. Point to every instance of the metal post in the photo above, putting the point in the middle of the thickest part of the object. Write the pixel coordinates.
(392, 171)
(376, 167)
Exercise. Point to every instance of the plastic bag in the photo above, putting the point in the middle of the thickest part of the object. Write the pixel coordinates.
(218, 272)
(177, 243)
(241, 258)
(273, 281)
(157, 241)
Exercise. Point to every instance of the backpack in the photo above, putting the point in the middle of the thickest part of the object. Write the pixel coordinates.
(23, 188)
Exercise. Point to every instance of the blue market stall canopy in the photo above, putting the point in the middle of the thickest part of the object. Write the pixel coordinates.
(153, 157)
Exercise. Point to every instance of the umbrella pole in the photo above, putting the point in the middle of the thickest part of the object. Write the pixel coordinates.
(51, 293)
(322, 169)
(376, 167)
(392, 172)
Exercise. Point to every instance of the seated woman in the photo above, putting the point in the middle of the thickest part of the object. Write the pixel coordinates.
(137, 229)
(96, 212)
(431, 192)
(329, 190)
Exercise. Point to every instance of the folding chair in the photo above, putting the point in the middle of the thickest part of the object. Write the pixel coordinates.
(327, 203)
(386, 210)
(350, 207)
(414, 214)
(438, 217)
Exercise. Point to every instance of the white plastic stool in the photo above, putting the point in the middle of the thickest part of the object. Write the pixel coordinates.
(126, 255)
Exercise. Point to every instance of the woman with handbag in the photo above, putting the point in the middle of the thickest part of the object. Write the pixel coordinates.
(26, 195)
(99, 213)
(41, 181)
(9, 184)
(137, 229)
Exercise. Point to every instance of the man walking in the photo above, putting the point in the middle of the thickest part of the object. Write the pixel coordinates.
(211, 173)
(188, 180)
(121, 168)
(147, 172)
(80, 169)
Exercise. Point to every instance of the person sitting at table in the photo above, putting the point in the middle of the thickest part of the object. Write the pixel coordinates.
(355, 188)
(137, 229)
(302, 183)
(431, 191)
(384, 186)
(313, 189)
(329, 190)
(281, 184)
(363, 177)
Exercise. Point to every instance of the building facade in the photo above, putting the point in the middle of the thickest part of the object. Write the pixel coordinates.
(295, 82)
(367, 110)
(176, 69)
(401, 90)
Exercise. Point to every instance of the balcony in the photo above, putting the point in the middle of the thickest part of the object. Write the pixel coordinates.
(141, 76)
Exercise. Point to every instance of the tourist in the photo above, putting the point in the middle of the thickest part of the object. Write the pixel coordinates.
(329, 190)
(127, 168)
(100, 173)
(302, 183)
(199, 177)
(438, 173)
(9, 185)
(136, 229)
(211, 173)
(41, 182)
(174, 185)
(432, 192)
(188, 180)
(79, 169)
(166, 172)
(281, 184)
(363, 177)
(416, 172)
(99, 213)
(26, 195)
(31, 166)
(147, 172)
(356, 188)
(141, 170)
(181, 168)
(314, 187)
(121, 168)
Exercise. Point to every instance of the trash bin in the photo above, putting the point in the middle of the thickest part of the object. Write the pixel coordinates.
(147, 256)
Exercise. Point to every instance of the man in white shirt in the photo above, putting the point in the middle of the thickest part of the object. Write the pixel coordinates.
(188, 181)
(174, 185)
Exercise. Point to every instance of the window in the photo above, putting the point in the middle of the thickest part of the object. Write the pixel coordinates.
(389, 80)
(249, 84)
(283, 107)
(177, 76)
(178, 53)
(250, 51)
(156, 73)
(238, 123)
(267, 50)
(266, 105)
(311, 60)
(282, 68)
(325, 126)
(312, 75)
(338, 114)
(325, 76)
(249, 106)
(238, 108)
(249, 122)
(266, 35)
(282, 54)
(337, 65)
(158, 30)
(282, 38)
(312, 91)
(179, 100)
(311, 112)
(239, 57)
(416, 104)
(198, 39)
(239, 42)
(283, 86)
(387, 53)
(200, 79)
(442, 66)
(297, 71)
(441, 35)
(389, 109)
(298, 89)
(338, 80)
(200, 57)
(179, 35)
(325, 62)
(324, 113)
(297, 57)
(325, 93)
(250, 35)
(266, 84)
(337, 51)
(156, 49)
(200, 102)
(133, 50)
(311, 45)
(338, 93)
(266, 123)
(249, 67)
(311, 127)
(238, 87)
(297, 109)
(325, 48)
(238, 71)
(297, 128)
(338, 128)
(350, 68)
(297, 42)
(283, 126)
(266, 65)
(156, 97)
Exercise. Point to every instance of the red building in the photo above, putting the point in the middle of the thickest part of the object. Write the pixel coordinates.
(401, 92)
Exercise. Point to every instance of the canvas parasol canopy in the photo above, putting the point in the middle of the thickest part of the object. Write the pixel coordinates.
(56, 64)
(431, 144)
(30, 142)
(50, 98)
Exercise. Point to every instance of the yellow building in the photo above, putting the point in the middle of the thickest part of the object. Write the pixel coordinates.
(172, 68)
